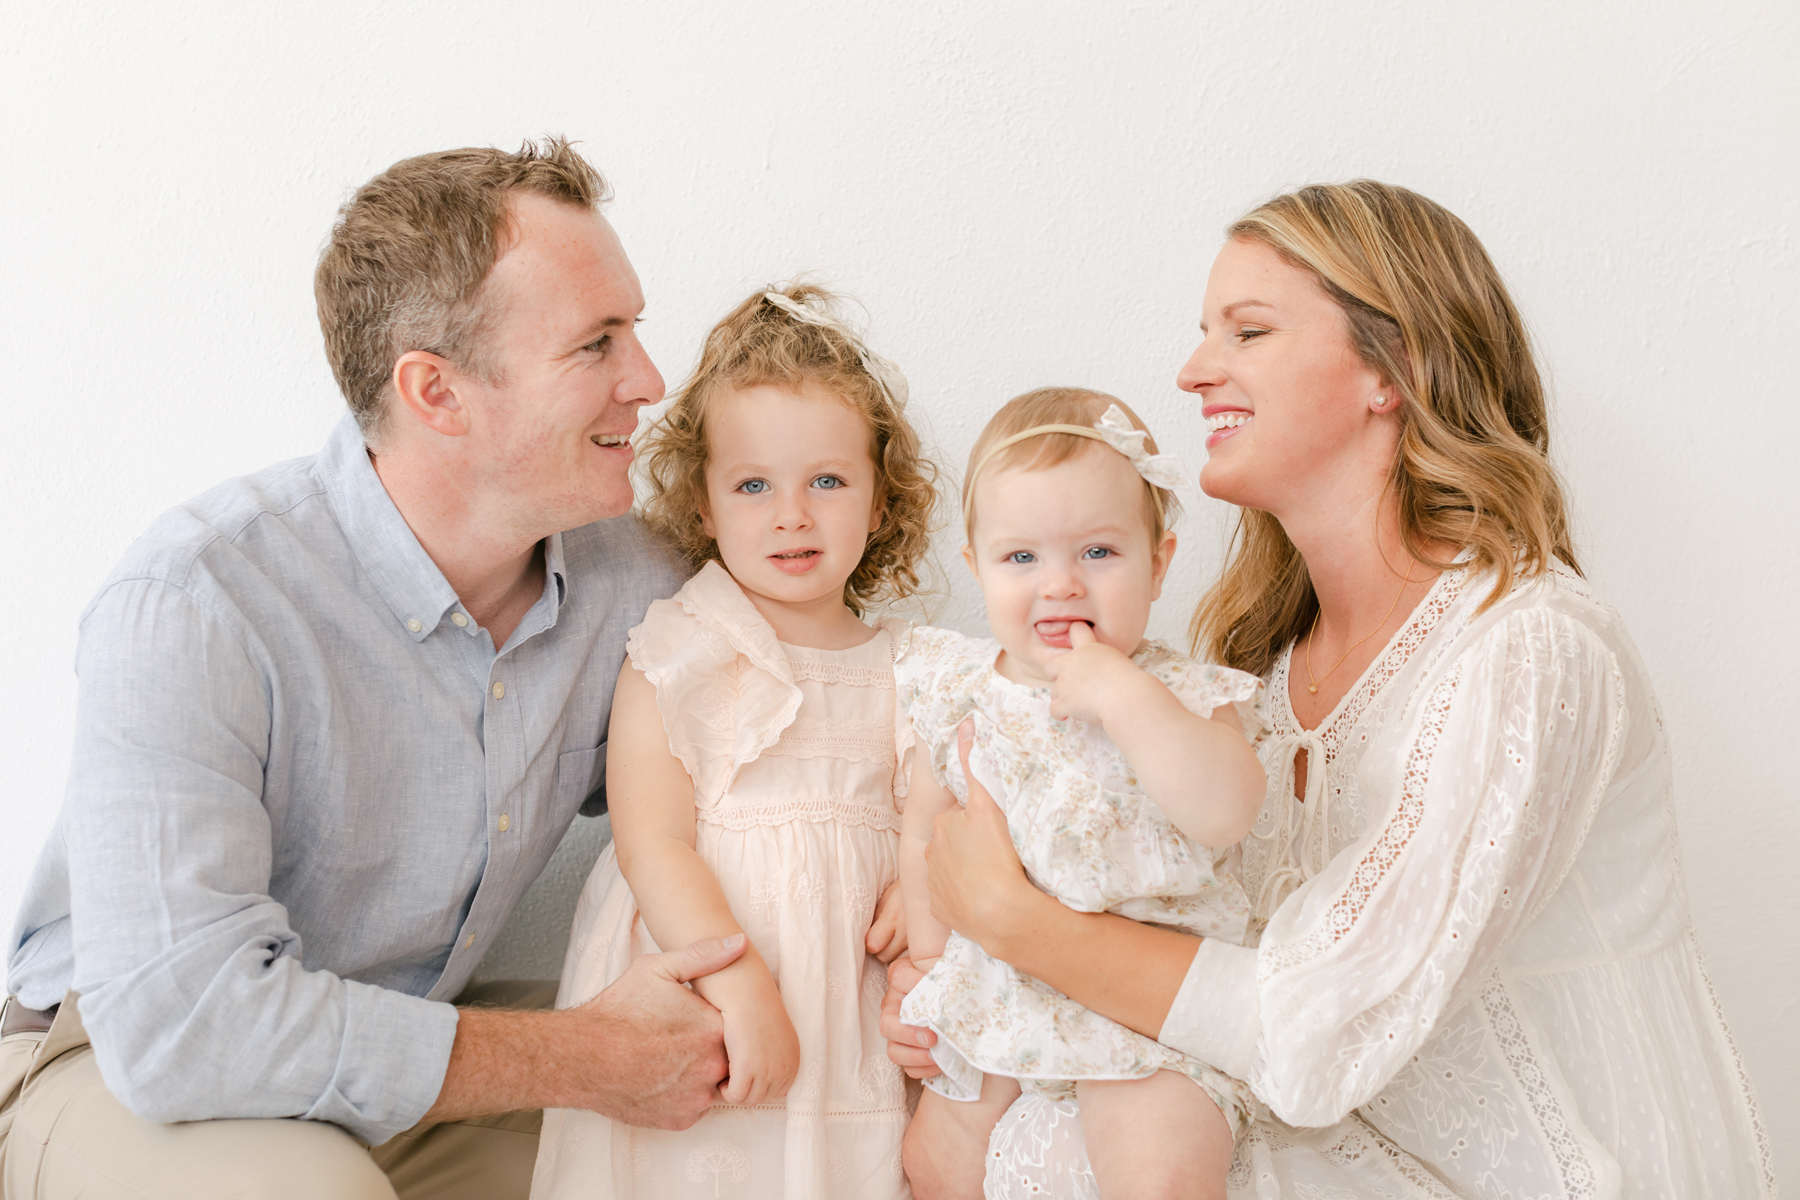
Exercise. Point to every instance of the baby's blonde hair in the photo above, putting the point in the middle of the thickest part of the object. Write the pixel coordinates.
(761, 343)
(1057, 406)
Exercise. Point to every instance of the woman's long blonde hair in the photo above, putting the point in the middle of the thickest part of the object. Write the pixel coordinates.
(1429, 313)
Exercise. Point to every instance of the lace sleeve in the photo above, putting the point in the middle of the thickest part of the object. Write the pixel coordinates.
(1501, 768)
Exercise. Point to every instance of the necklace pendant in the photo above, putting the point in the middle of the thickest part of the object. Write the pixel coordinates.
(1312, 687)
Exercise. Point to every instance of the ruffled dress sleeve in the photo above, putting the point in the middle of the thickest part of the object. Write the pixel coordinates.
(1501, 763)
(934, 678)
(1203, 687)
(723, 684)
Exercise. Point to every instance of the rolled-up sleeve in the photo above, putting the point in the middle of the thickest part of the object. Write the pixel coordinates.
(191, 979)
(1502, 768)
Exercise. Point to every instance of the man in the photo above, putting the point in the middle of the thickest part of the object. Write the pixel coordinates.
(333, 719)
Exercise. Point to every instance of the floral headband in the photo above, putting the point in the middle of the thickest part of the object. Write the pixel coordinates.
(1116, 430)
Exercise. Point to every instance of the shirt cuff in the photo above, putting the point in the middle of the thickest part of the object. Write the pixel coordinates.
(391, 1064)
(1217, 1014)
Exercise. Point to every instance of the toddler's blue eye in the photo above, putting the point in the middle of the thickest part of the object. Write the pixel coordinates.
(1021, 557)
(828, 482)
(1095, 552)
(753, 487)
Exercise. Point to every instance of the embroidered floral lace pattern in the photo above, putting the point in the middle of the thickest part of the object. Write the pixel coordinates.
(793, 755)
(1478, 977)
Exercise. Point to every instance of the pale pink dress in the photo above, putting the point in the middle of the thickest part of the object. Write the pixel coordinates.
(795, 755)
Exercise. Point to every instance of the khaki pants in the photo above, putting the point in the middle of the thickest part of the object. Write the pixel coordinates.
(69, 1138)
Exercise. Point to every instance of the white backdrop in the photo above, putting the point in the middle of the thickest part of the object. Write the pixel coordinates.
(1021, 194)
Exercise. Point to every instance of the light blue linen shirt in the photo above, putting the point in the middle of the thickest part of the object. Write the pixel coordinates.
(307, 792)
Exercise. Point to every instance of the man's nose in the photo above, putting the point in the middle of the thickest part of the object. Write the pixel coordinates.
(641, 383)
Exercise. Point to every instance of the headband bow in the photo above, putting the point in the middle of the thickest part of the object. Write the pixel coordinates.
(882, 370)
(1116, 430)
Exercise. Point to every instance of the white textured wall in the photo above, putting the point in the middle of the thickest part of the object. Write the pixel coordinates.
(1022, 193)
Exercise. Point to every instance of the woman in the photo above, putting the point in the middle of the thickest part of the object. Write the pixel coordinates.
(1477, 975)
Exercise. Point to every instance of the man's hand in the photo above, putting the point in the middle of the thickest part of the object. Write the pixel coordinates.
(646, 1051)
(1088, 679)
(886, 938)
(906, 1043)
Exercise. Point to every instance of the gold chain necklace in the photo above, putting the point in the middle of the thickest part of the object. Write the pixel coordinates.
(1312, 685)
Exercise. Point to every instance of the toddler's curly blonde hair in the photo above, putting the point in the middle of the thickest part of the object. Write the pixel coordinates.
(761, 343)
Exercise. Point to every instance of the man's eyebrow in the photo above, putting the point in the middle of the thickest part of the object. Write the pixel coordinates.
(608, 324)
(1235, 305)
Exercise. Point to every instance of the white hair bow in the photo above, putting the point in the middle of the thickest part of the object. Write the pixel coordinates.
(883, 370)
(1162, 470)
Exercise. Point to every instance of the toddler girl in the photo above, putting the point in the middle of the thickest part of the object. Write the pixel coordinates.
(1120, 765)
(755, 763)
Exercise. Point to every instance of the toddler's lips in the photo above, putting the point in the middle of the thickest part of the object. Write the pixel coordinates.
(795, 562)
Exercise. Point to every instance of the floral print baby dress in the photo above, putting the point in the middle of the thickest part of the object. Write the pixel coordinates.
(1089, 835)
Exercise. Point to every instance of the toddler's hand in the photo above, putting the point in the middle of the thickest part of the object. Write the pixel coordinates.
(1086, 679)
(762, 1051)
(886, 938)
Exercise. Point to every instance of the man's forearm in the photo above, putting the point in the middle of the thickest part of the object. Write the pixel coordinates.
(505, 1061)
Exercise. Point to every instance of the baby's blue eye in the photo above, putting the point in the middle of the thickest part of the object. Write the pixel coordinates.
(828, 482)
(1095, 552)
(753, 487)
(1021, 557)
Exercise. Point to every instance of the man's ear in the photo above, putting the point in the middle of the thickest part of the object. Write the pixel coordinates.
(1159, 563)
(425, 385)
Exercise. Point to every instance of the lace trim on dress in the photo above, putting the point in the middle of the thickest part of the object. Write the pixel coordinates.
(1574, 1168)
(857, 741)
(1765, 1157)
(819, 671)
(811, 809)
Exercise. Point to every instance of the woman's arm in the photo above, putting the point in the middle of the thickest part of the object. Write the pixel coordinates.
(651, 799)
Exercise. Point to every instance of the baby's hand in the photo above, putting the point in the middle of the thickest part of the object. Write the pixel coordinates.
(886, 938)
(1087, 680)
(762, 1051)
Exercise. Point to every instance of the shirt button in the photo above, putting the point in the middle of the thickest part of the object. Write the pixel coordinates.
(505, 822)
(415, 624)
(469, 942)
(458, 620)
(499, 691)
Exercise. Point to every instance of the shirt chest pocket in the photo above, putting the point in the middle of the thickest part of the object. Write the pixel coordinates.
(580, 783)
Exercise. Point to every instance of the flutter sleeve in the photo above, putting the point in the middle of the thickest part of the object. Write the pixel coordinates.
(934, 680)
(1204, 687)
(1498, 770)
(723, 686)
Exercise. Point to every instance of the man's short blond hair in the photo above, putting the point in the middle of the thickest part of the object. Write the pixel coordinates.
(409, 253)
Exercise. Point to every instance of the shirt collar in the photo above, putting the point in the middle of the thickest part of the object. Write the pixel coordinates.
(413, 588)
(411, 585)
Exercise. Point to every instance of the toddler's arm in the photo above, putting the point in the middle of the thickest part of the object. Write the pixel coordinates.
(1199, 770)
(651, 799)
(925, 934)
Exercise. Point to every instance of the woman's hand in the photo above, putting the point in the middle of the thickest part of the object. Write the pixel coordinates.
(907, 1044)
(762, 1051)
(977, 883)
(886, 938)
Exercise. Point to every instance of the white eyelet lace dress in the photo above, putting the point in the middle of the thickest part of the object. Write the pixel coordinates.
(795, 756)
(1478, 977)
(1089, 835)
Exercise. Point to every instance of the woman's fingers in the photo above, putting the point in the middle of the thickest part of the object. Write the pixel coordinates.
(974, 866)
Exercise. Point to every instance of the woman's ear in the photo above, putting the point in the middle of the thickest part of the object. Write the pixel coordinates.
(425, 384)
(1159, 562)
